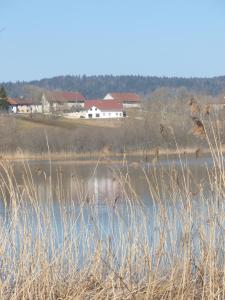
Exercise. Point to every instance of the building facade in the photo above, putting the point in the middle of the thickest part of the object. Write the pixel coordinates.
(23, 106)
(100, 109)
(129, 100)
(62, 101)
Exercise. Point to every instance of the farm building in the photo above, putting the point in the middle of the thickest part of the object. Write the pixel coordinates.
(62, 101)
(101, 109)
(21, 105)
(129, 100)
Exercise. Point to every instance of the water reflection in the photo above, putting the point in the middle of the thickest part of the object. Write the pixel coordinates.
(85, 204)
(69, 180)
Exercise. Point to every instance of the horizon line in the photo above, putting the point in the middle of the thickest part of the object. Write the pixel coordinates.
(112, 75)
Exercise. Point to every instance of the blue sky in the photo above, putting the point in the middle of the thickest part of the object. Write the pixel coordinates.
(45, 38)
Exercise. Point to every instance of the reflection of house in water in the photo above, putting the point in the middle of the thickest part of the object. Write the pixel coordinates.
(103, 188)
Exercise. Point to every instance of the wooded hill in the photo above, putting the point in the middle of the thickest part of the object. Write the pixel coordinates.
(98, 86)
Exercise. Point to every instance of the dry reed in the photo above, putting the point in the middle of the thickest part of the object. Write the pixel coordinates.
(65, 244)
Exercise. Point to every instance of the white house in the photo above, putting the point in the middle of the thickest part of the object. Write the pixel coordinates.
(129, 100)
(62, 101)
(101, 109)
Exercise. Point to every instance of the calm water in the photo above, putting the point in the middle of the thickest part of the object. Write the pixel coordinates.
(105, 201)
(101, 182)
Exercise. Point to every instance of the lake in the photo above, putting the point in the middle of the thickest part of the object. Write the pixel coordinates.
(69, 210)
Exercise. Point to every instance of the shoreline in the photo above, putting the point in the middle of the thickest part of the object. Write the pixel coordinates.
(104, 156)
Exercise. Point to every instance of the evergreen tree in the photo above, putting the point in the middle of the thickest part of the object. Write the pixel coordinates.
(3, 99)
(3, 94)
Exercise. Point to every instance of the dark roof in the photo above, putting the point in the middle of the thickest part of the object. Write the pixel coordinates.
(64, 96)
(106, 105)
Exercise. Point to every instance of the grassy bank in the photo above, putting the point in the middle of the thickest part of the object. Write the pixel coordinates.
(27, 122)
(106, 155)
(63, 242)
(131, 134)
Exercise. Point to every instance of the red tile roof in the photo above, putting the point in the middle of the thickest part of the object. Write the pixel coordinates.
(64, 97)
(20, 101)
(106, 105)
(11, 101)
(126, 97)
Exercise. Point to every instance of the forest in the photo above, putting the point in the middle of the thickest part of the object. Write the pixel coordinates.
(99, 86)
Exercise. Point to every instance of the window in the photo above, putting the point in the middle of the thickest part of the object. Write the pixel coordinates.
(97, 115)
(89, 115)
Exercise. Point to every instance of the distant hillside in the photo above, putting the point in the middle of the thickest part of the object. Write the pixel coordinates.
(98, 86)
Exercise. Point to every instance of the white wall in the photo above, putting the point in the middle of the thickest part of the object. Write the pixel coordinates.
(75, 115)
(12, 109)
(98, 114)
(24, 109)
(36, 108)
(29, 109)
(45, 104)
(130, 105)
(75, 104)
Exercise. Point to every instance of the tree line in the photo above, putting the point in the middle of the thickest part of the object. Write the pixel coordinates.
(99, 86)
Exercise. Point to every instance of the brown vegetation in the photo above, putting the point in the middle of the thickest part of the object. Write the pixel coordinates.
(170, 118)
(170, 247)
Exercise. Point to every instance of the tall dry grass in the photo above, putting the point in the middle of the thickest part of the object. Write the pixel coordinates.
(170, 245)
